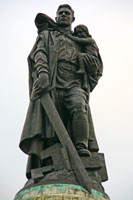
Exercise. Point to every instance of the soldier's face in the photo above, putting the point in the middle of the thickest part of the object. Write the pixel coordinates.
(64, 17)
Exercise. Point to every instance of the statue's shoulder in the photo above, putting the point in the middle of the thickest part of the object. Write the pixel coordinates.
(43, 34)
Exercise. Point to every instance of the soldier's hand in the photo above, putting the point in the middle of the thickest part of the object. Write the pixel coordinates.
(41, 83)
(91, 60)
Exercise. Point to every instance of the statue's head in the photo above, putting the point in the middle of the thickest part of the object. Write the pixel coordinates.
(64, 15)
(81, 31)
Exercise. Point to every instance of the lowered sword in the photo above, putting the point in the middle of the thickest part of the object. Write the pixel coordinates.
(65, 140)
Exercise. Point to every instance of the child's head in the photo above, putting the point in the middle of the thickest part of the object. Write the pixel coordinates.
(81, 31)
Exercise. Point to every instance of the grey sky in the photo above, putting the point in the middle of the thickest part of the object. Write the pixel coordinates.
(111, 25)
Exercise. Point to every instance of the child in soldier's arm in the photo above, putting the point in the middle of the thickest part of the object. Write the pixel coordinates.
(81, 35)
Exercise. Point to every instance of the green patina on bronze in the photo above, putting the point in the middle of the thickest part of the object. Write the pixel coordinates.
(98, 195)
(58, 192)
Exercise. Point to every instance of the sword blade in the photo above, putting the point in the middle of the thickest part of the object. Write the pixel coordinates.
(65, 140)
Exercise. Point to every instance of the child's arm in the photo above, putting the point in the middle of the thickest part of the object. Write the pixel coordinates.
(83, 41)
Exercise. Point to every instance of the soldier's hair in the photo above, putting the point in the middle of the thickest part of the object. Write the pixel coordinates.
(66, 6)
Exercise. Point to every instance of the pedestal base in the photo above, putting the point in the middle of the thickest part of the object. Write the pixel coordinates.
(59, 192)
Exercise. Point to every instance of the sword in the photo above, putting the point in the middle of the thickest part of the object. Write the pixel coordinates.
(66, 142)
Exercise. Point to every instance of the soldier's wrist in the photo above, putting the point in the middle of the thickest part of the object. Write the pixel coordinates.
(42, 70)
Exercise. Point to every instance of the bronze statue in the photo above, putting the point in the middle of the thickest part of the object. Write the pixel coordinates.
(68, 66)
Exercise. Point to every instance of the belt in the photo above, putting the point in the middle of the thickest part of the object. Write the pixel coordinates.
(66, 62)
(72, 67)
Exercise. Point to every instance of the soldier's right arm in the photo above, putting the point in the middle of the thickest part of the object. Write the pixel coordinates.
(40, 56)
(41, 66)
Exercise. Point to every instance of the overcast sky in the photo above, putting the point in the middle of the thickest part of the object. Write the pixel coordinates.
(111, 25)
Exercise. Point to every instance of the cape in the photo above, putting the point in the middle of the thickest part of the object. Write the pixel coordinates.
(43, 22)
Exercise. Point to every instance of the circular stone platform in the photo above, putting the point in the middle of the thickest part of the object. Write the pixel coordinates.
(58, 192)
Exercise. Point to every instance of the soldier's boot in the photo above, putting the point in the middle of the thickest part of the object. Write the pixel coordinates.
(80, 137)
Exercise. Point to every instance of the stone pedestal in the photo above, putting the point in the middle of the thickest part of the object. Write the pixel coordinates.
(58, 192)
(56, 179)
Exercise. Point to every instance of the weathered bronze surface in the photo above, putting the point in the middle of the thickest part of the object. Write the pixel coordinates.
(58, 134)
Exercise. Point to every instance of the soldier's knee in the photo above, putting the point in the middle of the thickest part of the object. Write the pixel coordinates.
(79, 107)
